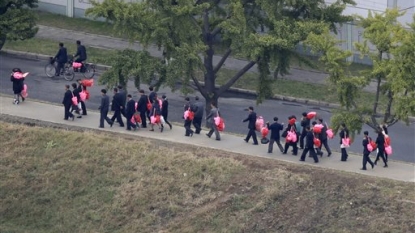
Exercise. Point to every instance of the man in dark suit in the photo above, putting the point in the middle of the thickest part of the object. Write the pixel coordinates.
(78, 97)
(165, 110)
(104, 108)
(366, 152)
(251, 126)
(116, 107)
(123, 94)
(81, 52)
(61, 58)
(198, 107)
(309, 146)
(152, 94)
(304, 123)
(130, 111)
(275, 135)
(67, 103)
(323, 138)
(188, 121)
(142, 108)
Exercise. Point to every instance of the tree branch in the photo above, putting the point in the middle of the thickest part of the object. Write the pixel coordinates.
(235, 78)
(199, 86)
(215, 31)
(222, 61)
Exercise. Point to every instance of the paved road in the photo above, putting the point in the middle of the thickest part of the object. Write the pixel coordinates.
(232, 107)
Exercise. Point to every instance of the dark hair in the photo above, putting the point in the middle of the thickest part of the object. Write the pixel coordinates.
(307, 127)
(321, 120)
(129, 96)
(151, 88)
(67, 86)
(61, 44)
(17, 70)
(251, 108)
(115, 89)
(275, 118)
(304, 114)
(119, 87)
(213, 103)
(197, 98)
(78, 42)
(343, 125)
(104, 91)
(74, 85)
(187, 99)
(366, 133)
(314, 123)
(141, 91)
(163, 96)
(79, 80)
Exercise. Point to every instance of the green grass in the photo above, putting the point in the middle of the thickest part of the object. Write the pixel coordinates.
(54, 180)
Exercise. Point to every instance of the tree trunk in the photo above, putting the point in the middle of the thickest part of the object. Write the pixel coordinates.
(376, 103)
(2, 41)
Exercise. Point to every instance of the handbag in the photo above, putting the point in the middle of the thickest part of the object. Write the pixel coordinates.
(74, 100)
(264, 140)
(388, 150)
(284, 134)
(346, 142)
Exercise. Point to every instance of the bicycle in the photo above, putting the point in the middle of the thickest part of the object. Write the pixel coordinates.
(87, 69)
(50, 70)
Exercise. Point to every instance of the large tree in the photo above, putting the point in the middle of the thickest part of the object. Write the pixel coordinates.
(393, 57)
(17, 20)
(190, 31)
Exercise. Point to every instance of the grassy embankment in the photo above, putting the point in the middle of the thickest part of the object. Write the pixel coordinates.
(53, 180)
(284, 87)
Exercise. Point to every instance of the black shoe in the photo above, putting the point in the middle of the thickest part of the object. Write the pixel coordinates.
(302, 160)
(111, 124)
(294, 154)
(101, 127)
(328, 155)
(79, 117)
(373, 166)
(161, 129)
(170, 126)
(363, 169)
(255, 144)
(269, 152)
(246, 140)
(217, 139)
(191, 134)
(208, 135)
(84, 114)
(129, 129)
(23, 99)
(385, 166)
(151, 130)
(284, 153)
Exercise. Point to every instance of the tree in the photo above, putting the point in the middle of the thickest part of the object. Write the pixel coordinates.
(190, 31)
(392, 70)
(17, 20)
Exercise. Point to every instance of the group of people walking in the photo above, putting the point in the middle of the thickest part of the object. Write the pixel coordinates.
(312, 136)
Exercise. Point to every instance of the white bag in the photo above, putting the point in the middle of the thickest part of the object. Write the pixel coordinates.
(162, 120)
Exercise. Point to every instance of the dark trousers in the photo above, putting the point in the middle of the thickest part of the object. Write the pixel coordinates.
(117, 115)
(59, 68)
(312, 153)
(326, 145)
(197, 123)
(187, 126)
(303, 135)
(214, 129)
(344, 154)
(366, 159)
(381, 154)
(271, 145)
(143, 119)
(104, 116)
(165, 119)
(83, 106)
(294, 145)
(251, 133)
(68, 111)
(129, 123)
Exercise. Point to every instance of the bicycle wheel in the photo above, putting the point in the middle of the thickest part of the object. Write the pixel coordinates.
(50, 70)
(69, 74)
(89, 71)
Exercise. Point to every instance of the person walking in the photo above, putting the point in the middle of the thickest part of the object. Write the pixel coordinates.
(210, 120)
(76, 108)
(366, 152)
(156, 112)
(82, 88)
(103, 109)
(130, 110)
(251, 119)
(165, 110)
(304, 123)
(142, 108)
(61, 58)
(344, 133)
(380, 142)
(189, 118)
(309, 146)
(123, 98)
(116, 107)
(323, 138)
(291, 127)
(275, 135)
(18, 85)
(198, 109)
(67, 103)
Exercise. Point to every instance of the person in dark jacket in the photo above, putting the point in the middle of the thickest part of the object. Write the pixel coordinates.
(18, 85)
(187, 122)
(156, 112)
(61, 58)
(116, 107)
(165, 110)
(81, 52)
(275, 135)
(103, 109)
(323, 138)
(78, 97)
(198, 108)
(67, 103)
(366, 152)
(309, 146)
(304, 123)
(344, 133)
(123, 94)
(142, 108)
(291, 127)
(151, 96)
(130, 110)
(82, 88)
(380, 142)
(251, 119)
(318, 136)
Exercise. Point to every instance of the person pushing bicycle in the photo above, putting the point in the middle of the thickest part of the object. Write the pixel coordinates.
(81, 54)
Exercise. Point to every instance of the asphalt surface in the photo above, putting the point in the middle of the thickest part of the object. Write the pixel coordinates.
(232, 107)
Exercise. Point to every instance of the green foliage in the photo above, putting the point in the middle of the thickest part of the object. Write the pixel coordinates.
(187, 30)
(393, 62)
(17, 20)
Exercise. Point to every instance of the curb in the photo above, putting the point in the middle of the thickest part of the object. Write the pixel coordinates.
(102, 67)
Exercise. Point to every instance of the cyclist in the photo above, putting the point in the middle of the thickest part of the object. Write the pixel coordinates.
(81, 52)
(61, 57)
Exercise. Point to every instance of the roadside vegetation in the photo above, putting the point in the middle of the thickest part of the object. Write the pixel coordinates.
(53, 180)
